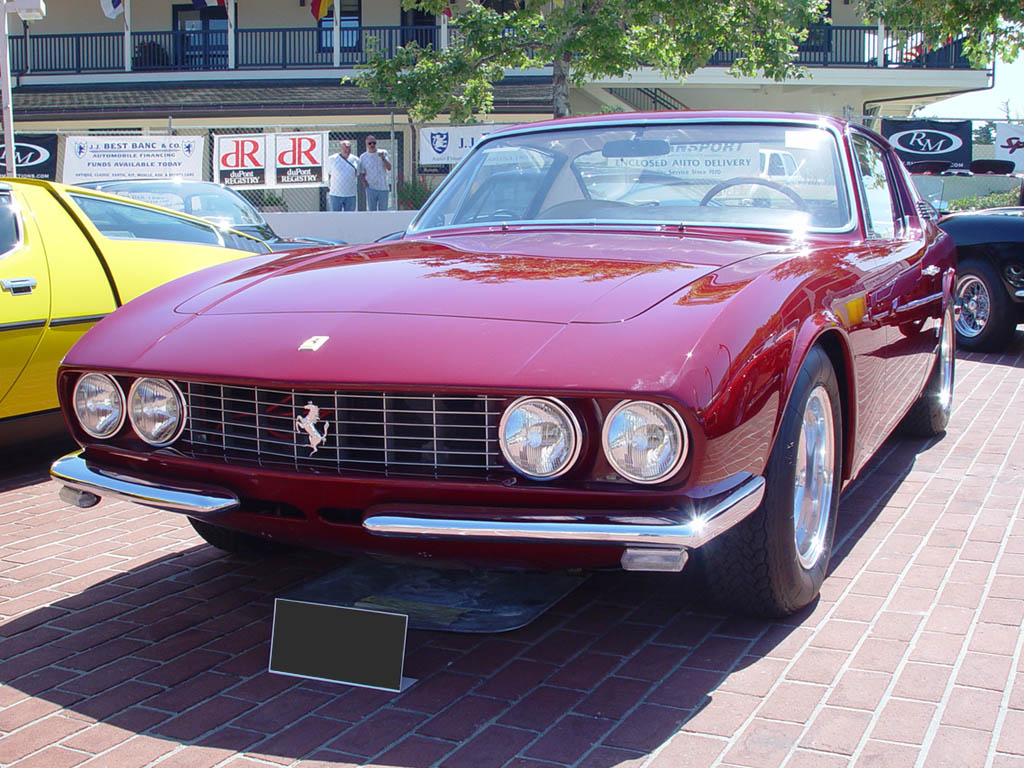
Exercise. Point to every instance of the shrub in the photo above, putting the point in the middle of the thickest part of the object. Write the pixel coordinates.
(413, 194)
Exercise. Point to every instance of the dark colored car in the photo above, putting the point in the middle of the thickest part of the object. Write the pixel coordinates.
(990, 275)
(207, 200)
(604, 341)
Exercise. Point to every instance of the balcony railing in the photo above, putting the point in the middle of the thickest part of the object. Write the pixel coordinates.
(313, 48)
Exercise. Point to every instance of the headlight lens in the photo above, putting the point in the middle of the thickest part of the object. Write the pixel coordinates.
(540, 437)
(157, 411)
(99, 404)
(644, 442)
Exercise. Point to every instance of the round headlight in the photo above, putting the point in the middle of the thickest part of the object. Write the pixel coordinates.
(540, 437)
(157, 411)
(99, 404)
(644, 442)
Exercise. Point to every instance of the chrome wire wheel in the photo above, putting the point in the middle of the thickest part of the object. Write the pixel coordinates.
(975, 306)
(814, 478)
(946, 353)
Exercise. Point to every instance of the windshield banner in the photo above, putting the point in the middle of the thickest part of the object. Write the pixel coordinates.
(99, 158)
(917, 140)
(1010, 144)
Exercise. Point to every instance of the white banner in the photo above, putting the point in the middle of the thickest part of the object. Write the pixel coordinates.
(1010, 144)
(443, 145)
(96, 158)
(299, 159)
(241, 161)
(264, 160)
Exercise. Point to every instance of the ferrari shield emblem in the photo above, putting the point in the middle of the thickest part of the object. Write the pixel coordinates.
(439, 141)
(307, 424)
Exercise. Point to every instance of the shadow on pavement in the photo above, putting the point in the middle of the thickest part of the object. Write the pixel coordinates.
(177, 649)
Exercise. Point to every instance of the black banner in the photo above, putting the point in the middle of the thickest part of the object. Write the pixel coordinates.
(35, 156)
(917, 140)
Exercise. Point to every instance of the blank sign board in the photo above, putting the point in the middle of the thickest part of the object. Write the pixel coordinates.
(343, 645)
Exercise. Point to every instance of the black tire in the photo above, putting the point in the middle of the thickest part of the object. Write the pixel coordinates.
(929, 414)
(987, 318)
(235, 542)
(757, 567)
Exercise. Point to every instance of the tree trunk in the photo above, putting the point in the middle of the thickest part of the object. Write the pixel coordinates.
(560, 86)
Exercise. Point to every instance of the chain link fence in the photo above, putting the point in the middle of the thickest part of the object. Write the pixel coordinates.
(408, 189)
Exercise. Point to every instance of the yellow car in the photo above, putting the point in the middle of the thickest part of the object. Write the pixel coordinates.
(68, 258)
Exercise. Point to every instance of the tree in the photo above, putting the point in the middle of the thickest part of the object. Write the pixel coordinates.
(985, 133)
(582, 40)
(585, 40)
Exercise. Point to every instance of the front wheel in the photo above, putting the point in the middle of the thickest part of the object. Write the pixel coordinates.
(987, 318)
(774, 562)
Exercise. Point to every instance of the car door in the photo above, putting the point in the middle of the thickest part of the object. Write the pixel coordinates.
(899, 251)
(24, 291)
(77, 294)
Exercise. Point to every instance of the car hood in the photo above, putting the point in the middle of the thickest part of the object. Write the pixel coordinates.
(495, 311)
(539, 277)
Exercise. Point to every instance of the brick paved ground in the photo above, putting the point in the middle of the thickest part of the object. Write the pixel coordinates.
(126, 642)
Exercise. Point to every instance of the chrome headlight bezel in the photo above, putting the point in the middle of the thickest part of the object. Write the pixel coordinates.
(673, 418)
(120, 397)
(574, 432)
(178, 396)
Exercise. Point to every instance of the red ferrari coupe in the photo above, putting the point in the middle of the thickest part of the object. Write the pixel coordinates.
(621, 340)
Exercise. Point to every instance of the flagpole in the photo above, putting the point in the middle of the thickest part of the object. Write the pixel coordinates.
(127, 35)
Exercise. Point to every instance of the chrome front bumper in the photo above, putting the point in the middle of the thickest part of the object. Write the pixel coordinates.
(84, 482)
(653, 539)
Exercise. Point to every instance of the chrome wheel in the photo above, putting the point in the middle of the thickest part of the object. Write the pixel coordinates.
(814, 478)
(975, 305)
(946, 353)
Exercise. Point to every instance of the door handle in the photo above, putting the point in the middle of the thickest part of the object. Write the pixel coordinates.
(18, 286)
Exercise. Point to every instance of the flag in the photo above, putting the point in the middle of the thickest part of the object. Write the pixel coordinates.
(447, 11)
(112, 8)
(319, 8)
(200, 4)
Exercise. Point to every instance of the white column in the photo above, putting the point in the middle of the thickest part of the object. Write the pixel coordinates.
(127, 35)
(881, 43)
(337, 36)
(8, 111)
(444, 31)
(231, 34)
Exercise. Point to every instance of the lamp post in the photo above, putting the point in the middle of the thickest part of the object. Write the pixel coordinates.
(28, 10)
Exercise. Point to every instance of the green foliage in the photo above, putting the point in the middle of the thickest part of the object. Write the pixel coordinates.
(989, 27)
(977, 202)
(985, 133)
(413, 194)
(585, 40)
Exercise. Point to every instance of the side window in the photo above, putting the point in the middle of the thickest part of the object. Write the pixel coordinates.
(879, 209)
(124, 221)
(10, 229)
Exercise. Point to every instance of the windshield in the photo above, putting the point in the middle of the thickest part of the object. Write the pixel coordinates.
(764, 175)
(205, 200)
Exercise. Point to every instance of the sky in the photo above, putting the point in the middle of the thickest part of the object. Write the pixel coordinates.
(986, 105)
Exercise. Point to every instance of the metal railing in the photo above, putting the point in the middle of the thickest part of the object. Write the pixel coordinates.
(313, 47)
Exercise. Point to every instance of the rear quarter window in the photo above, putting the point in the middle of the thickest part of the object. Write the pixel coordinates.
(10, 228)
(124, 221)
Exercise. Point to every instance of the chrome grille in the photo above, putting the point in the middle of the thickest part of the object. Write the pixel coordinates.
(393, 433)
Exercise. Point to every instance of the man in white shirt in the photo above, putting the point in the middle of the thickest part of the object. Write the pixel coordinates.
(373, 170)
(342, 173)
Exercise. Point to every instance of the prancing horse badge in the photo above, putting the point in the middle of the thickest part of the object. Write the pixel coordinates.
(307, 424)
